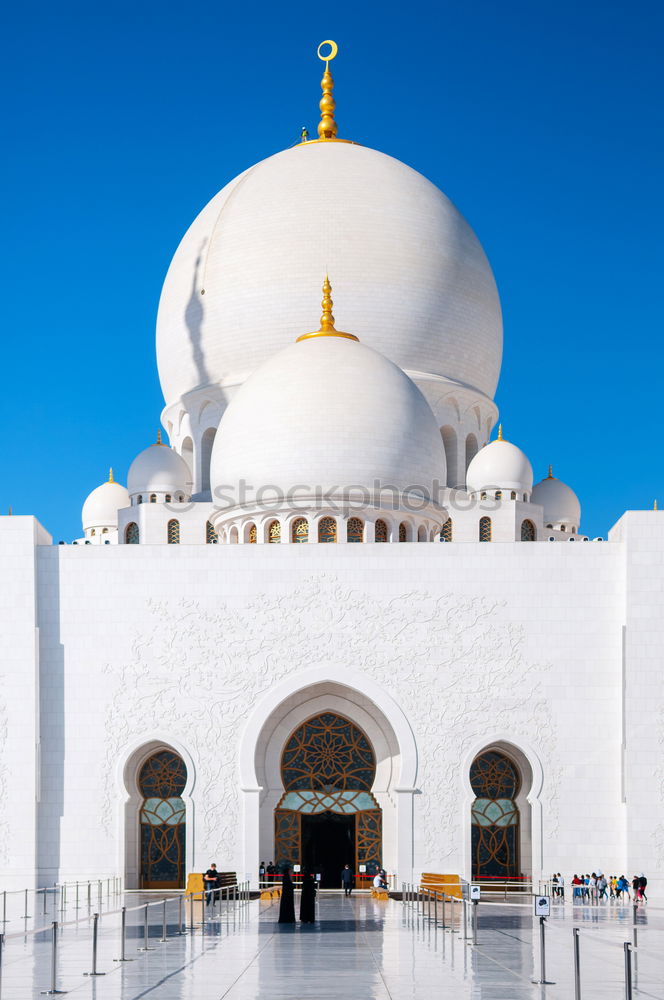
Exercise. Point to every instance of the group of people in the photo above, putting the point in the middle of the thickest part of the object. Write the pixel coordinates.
(597, 886)
(307, 900)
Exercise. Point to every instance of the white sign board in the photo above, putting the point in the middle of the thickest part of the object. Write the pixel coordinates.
(475, 892)
(296, 869)
(318, 877)
(542, 906)
(363, 869)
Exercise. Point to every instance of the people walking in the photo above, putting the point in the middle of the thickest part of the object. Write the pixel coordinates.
(347, 877)
(643, 882)
(211, 882)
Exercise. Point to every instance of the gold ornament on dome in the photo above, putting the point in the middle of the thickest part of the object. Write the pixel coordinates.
(327, 127)
(327, 319)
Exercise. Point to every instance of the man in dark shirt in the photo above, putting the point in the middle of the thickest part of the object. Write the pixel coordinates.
(347, 880)
(211, 881)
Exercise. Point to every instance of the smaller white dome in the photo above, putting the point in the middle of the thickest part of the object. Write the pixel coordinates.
(560, 502)
(100, 510)
(500, 465)
(158, 469)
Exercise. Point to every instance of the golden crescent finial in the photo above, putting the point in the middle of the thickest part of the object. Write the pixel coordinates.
(110, 476)
(500, 432)
(327, 319)
(654, 506)
(158, 441)
(327, 127)
(550, 476)
(334, 48)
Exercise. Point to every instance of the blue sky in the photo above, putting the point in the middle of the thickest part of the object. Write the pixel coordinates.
(542, 122)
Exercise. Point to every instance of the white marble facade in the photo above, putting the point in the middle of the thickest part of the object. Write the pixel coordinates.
(143, 635)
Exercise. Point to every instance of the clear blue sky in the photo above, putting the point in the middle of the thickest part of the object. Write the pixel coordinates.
(542, 122)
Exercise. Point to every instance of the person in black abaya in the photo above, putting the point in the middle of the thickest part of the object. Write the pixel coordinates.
(287, 901)
(308, 900)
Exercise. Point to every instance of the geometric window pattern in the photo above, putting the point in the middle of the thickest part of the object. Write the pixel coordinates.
(131, 534)
(446, 531)
(354, 529)
(274, 533)
(328, 752)
(495, 816)
(485, 529)
(327, 529)
(381, 531)
(211, 536)
(402, 532)
(253, 534)
(527, 531)
(300, 530)
(161, 782)
(173, 532)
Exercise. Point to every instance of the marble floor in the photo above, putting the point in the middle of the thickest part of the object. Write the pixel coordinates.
(358, 949)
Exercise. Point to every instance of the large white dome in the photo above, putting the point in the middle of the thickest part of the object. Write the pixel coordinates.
(412, 276)
(326, 413)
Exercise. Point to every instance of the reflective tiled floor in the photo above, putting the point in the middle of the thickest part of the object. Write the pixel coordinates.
(358, 949)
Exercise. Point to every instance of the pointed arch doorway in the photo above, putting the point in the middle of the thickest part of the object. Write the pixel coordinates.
(327, 816)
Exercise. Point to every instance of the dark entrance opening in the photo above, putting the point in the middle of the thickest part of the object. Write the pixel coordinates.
(328, 843)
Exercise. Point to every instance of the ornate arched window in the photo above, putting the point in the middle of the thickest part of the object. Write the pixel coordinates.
(513, 495)
(381, 531)
(173, 532)
(447, 531)
(274, 533)
(168, 498)
(421, 533)
(499, 494)
(300, 530)
(211, 536)
(328, 752)
(139, 498)
(485, 529)
(354, 529)
(161, 782)
(327, 529)
(153, 498)
(403, 535)
(527, 531)
(496, 783)
(252, 536)
(104, 531)
(93, 531)
(131, 534)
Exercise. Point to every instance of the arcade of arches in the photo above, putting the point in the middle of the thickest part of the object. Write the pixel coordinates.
(327, 816)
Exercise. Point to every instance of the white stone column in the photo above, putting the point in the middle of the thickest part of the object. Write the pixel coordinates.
(405, 820)
(250, 835)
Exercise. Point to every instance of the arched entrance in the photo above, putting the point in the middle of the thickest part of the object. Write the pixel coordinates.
(327, 816)
(497, 784)
(161, 781)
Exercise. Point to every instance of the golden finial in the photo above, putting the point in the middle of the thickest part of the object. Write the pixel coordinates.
(654, 507)
(159, 441)
(500, 432)
(110, 476)
(11, 512)
(327, 319)
(551, 475)
(327, 128)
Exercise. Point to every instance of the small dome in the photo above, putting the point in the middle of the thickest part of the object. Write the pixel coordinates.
(326, 413)
(560, 502)
(100, 510)
(158, 469)
(500, 465)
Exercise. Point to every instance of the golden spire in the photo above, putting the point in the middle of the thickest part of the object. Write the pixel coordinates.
(654, 507)
(110, 476)
(327, 319)
(551, 475)
(159, 441)
(327, 127)
(500, 432)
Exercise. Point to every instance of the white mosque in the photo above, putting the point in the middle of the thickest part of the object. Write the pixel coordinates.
(308, 629)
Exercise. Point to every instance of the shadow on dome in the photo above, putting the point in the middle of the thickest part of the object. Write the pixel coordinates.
(193, 318)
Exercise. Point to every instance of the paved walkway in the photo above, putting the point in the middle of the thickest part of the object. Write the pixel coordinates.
(359, 949)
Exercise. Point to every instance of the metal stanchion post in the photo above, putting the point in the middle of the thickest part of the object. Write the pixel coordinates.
(2, 948)
(475, 905)
(95, 931)
(180, 914)
(89, 891)
(54, 961)
(435, 909)
(108, 889)
(99, 893)
(146, 930)
(628, 970)
(191, 913)
(77, 906)
(164, 929)
(428, 905)
(123, 937)
(543, 981)
(25, 913)
(4, 909)
(44, 906)
(577, 964)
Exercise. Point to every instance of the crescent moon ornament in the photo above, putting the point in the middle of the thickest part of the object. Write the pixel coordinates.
(334, 48)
